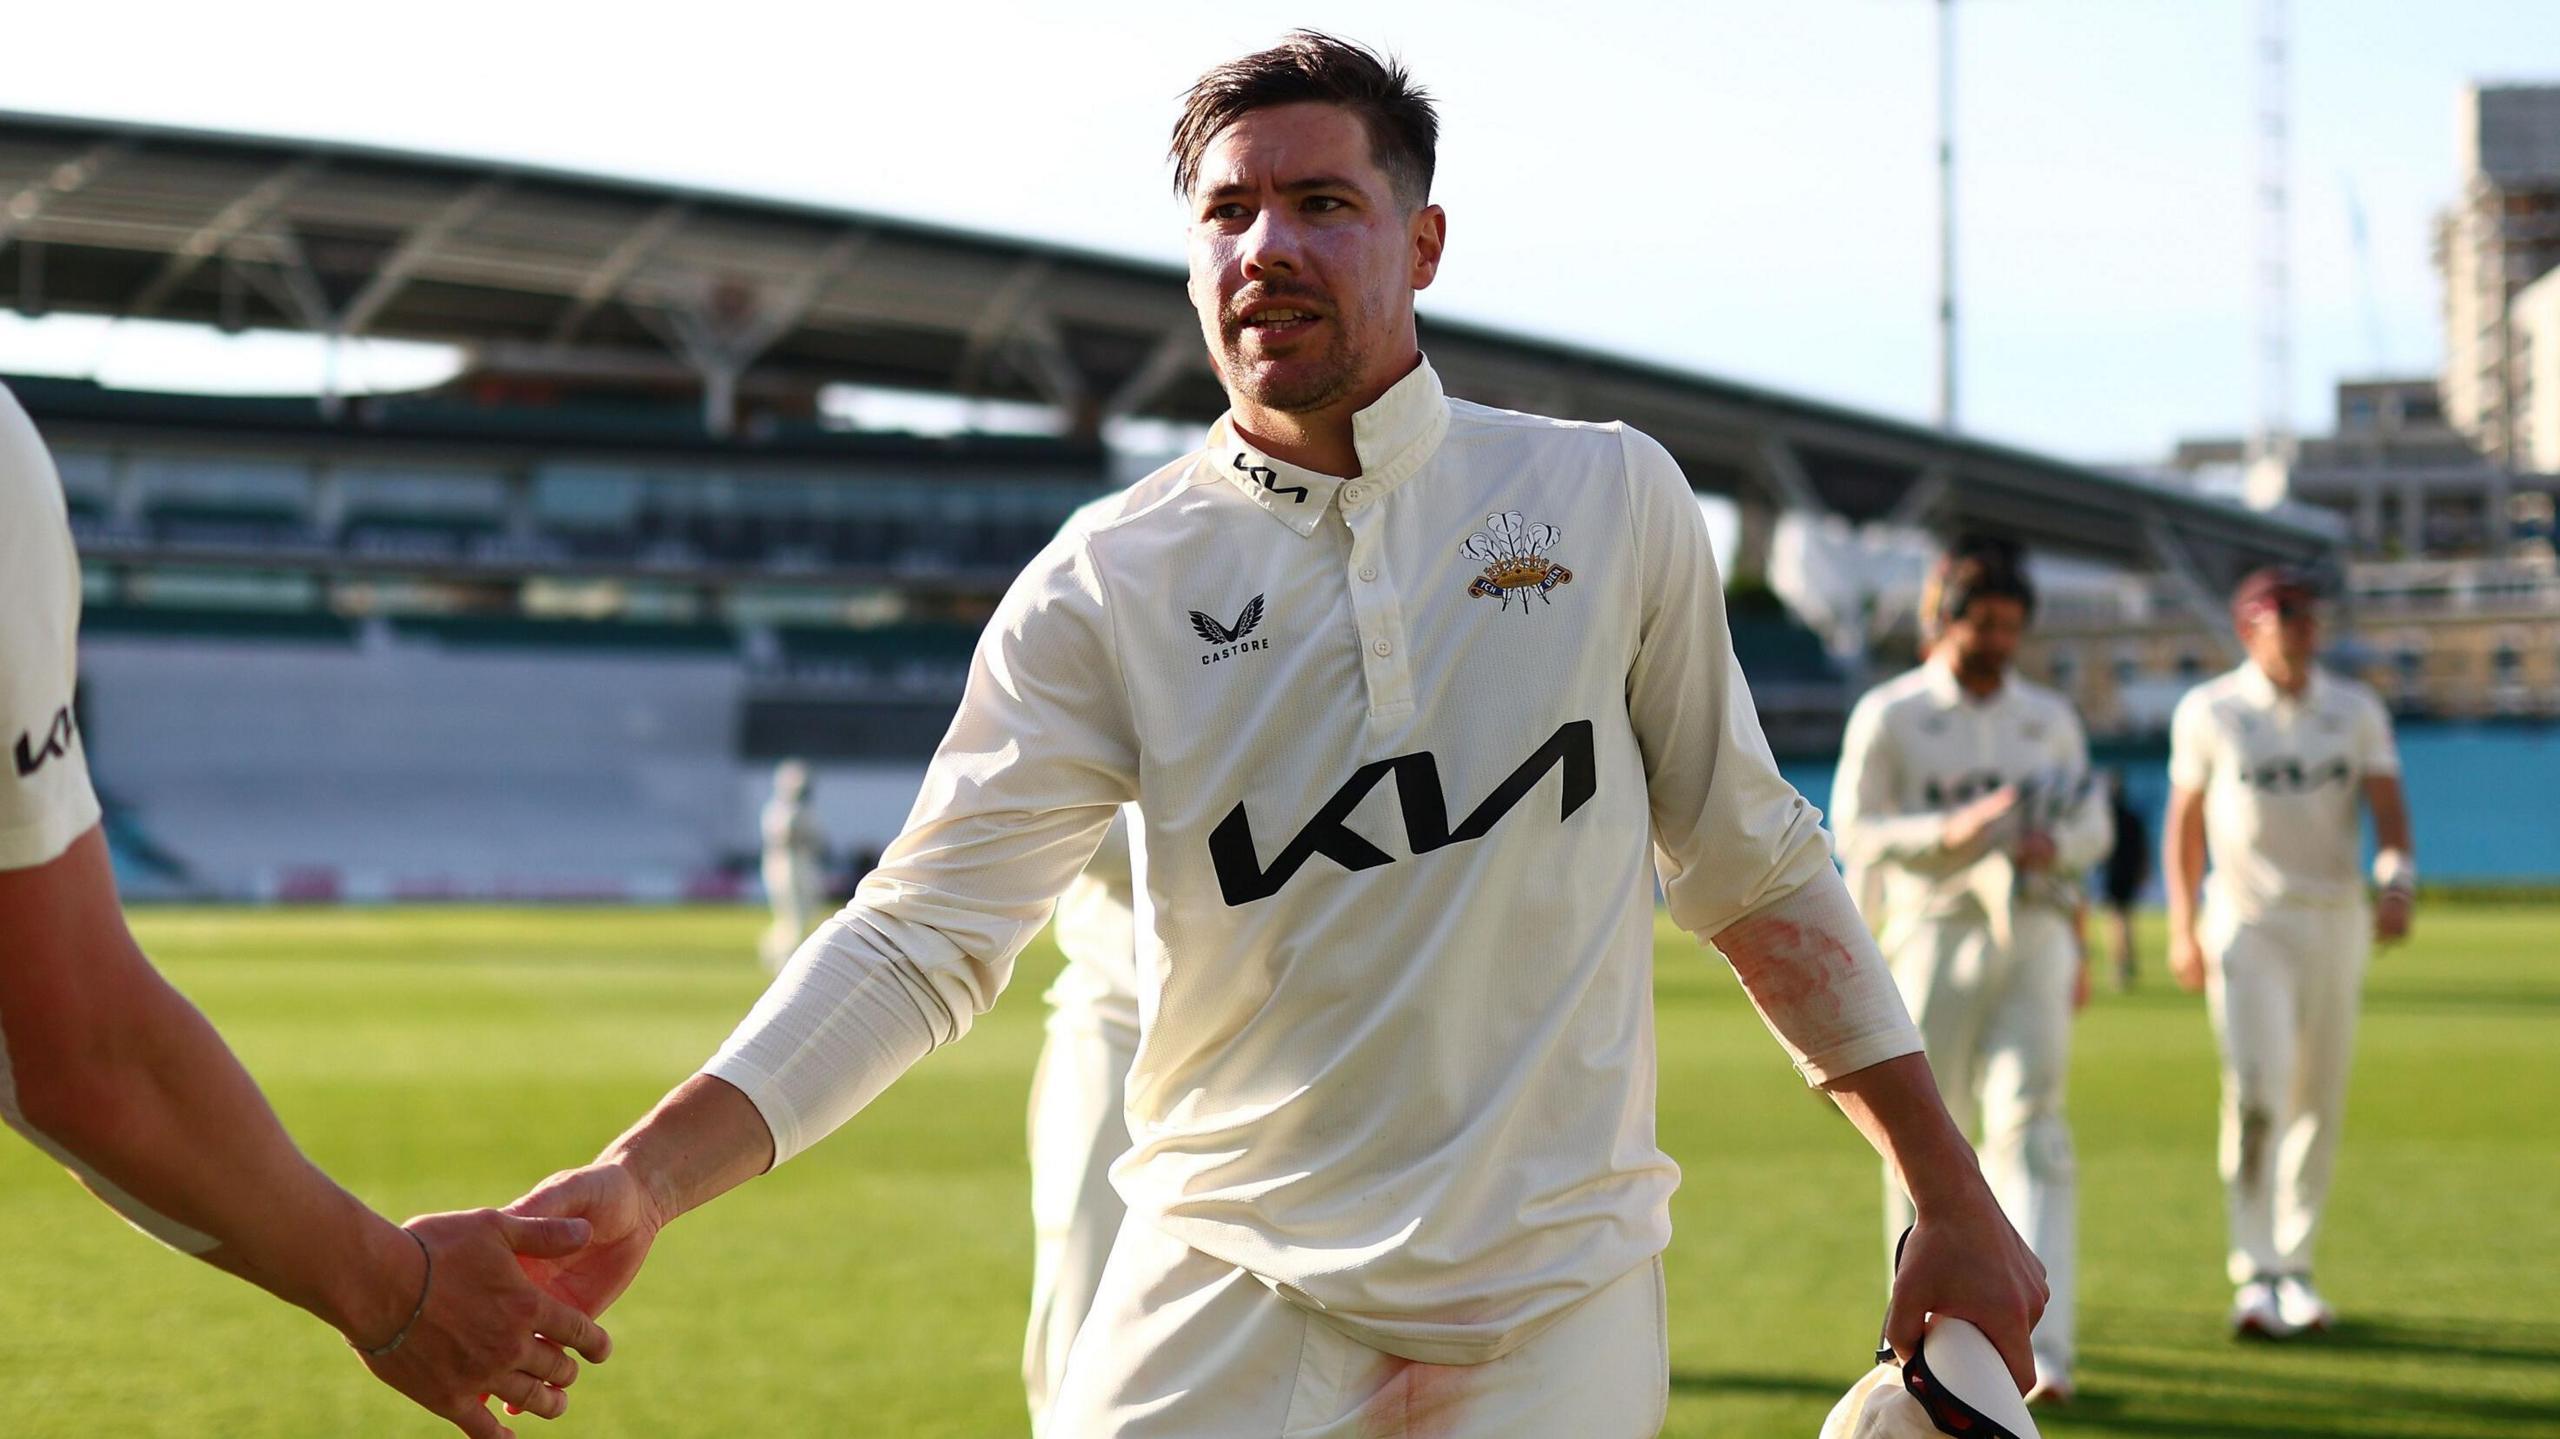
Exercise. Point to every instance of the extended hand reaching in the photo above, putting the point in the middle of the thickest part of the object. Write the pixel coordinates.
(481, 1328)
(624, 1219)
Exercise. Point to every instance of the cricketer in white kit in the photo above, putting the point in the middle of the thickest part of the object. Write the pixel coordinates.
(1415, 698)
(2267, 766)
(1964, 797)
(794, 864)
(1077, 1128)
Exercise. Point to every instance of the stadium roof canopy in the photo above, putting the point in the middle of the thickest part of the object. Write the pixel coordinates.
(576, 277)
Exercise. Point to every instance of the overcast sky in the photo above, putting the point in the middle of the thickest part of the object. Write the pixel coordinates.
(1744, 187)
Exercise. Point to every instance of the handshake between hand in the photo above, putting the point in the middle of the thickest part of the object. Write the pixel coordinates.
(511, 1292)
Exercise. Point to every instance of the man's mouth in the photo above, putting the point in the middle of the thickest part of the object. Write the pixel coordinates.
(1276, 322)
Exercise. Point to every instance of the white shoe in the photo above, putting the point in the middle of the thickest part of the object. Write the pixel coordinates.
(2255, 1313)
(2053, 1391)
(2301, 1307)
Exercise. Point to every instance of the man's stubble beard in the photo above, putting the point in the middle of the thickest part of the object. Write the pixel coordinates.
(1332, 377)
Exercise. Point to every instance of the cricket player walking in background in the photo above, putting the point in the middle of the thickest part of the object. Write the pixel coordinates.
(795, 873)
(1965, 801)
(2267, 765)
(1078, 1126)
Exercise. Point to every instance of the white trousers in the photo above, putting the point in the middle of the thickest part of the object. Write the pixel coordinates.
(2284, 990)
(1183, 1346)
(1997, 1027)
(1078, 1127)
(794, 891)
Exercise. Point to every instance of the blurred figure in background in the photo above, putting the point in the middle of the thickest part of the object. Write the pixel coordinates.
(2127, 868)
(1079, 1121)
(114, 1075)
(794, 864)
(1964, 800)
(2267, 765)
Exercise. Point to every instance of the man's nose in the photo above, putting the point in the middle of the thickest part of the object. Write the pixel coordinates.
(1270, 244)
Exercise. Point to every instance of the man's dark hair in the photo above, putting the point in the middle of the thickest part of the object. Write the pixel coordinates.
(1404, 128)
(1977, 566)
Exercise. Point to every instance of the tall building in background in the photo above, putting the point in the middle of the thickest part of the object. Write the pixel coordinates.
(2498, 237)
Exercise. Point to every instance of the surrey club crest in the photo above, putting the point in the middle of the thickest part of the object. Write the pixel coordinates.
(1515, 560)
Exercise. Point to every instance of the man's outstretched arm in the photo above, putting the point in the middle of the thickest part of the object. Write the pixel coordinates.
(1037, 761)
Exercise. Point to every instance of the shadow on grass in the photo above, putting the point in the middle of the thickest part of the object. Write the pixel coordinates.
(2167, 1372)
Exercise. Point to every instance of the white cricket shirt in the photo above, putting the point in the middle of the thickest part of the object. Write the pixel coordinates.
(45, 799)
(2281, 778)
(1405, 744)
(1918, 748)
(1097, 930)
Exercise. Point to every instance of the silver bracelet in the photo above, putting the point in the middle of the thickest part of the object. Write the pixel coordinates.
(425, 1282)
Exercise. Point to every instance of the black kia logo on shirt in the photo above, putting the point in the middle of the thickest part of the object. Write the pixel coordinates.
(57, 743)
(1242, 879)
(1269, 479)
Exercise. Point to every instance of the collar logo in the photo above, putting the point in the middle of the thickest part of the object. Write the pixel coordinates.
(1269, 479)
(1230, 639)
(1515, 560)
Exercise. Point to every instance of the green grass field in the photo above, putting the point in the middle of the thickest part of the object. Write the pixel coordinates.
(436, 1059)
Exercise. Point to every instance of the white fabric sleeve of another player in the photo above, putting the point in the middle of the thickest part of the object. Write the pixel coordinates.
(2191, 743)
(45, 798)
(2377, 753)
(1729, 832)
(136, 1213)
(1862, 805)
(1037, 760)
(1814, 973)
(2083, 837)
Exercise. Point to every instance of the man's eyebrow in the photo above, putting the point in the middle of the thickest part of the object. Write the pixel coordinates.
(1287, 187)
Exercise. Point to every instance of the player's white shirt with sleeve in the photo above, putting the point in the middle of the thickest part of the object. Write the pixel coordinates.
(45, 798)
(2282, 779)
(1097, 931)
(1409, 748)
(1918, 748)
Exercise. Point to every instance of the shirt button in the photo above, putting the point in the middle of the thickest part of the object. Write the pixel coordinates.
(1351, 494)
(1383, 648)
(1368, 572)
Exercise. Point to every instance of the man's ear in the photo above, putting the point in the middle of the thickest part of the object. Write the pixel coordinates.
(1430, 236)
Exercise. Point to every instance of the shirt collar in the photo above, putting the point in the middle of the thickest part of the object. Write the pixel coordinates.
(1393, 437)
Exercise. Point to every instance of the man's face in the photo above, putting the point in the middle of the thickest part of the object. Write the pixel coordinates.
(2281, 633)
(1981, 642)
(1304, 260)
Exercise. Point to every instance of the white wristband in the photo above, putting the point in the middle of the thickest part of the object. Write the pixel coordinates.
(2393, 869)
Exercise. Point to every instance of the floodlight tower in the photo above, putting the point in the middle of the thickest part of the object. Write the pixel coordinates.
(2271, 439)
(1946, 214)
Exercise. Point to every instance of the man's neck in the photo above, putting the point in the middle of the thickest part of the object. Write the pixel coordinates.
(1320, 440)
(2289, 679)
(1977, 686)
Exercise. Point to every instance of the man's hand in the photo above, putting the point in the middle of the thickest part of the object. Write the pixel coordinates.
(2036, 851)
(485, 1329)
(2080, 985)
(1967, 826)
(625, 1220)
(2186, 958)
(1964, 1259)
(2392, 912)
